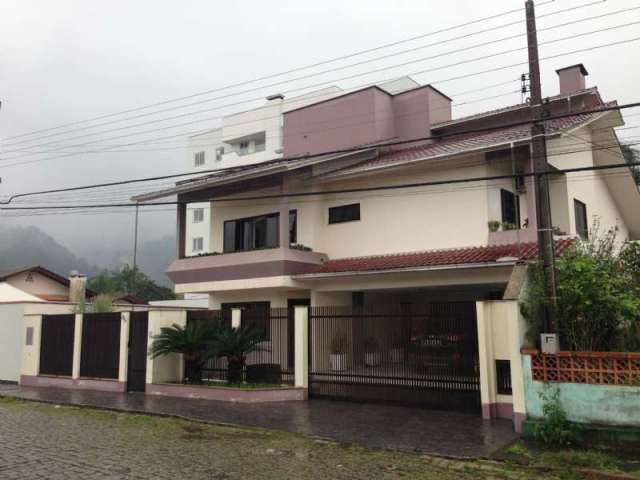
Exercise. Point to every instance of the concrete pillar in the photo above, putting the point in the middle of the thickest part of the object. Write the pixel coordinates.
(301, 319)
(77, 346)
(124, 346)
(236, 317)
(485, 355)
(517, 329)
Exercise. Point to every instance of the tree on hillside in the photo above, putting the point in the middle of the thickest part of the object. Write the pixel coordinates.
(129, 280)
(631, 155)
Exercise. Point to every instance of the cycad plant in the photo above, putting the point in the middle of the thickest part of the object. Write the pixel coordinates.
(191, 341)
(235, 344)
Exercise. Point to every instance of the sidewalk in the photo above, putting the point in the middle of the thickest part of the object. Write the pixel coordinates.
(381, 426)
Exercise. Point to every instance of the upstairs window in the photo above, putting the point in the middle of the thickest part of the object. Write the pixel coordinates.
(510, 207)
(582, 228)
(198, 215)
(219, 153)
(293, 227)
(197, 244)
(344, 213)
(251, 233)
(243, 148)
(198, 159)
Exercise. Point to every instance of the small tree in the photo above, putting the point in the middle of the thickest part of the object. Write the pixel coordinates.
(235, 344)
(191, 341)
(598, 304)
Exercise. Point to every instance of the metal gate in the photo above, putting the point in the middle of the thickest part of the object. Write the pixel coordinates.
(100, 354)
(422, 355)
(56, 345)
(137, 364)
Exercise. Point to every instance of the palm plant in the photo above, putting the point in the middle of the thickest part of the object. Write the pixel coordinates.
(235, 344)
(190, 341)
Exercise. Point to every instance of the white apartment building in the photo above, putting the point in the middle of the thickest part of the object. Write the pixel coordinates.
(247, 138)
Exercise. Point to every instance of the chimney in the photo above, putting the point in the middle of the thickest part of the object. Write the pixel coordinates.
(572, 79)
(77, 287)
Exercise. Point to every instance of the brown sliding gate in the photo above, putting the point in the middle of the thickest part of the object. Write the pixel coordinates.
(422, 355)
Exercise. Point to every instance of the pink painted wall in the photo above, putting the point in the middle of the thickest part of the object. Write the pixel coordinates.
(366, 116)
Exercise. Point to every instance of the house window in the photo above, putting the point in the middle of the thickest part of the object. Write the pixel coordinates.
(198, 215)
(219, 153)
(503, 377)
(344, 213)
(29, 340)
(510, 210)
(582, 228)
(260, 145)
(251, 233)
(198, 159)
(293, 227)
(197, 244)
(243, 148)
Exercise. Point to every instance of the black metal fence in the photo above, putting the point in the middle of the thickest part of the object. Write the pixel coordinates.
(100, 355)
(56, 345)
(272, 364)
(423, 355)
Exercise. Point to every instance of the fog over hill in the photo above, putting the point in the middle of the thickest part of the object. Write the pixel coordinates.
(25, 246)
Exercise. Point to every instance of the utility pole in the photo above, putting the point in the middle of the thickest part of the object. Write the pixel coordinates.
(541, 179)
(135, 253)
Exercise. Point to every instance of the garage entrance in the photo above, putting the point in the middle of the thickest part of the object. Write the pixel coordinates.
(420, 355)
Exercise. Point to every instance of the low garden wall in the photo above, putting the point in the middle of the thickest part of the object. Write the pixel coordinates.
(594, 387)
(228, 394)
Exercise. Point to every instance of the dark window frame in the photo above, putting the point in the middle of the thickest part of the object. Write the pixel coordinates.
(344, 213)
(239, 233)
(506, 215)
(580, 211)
(293, 227)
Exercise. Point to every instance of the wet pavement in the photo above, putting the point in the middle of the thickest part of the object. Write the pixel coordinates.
(381, 426)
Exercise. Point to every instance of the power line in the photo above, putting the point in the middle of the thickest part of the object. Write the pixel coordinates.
(443, 67)
(341, 191)
(333, 152)
(306, 67)
(491, 70)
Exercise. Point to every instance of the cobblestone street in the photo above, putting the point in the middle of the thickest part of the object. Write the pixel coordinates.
(41, 441)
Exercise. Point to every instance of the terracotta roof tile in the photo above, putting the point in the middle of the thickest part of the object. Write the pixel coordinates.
(434, 258)
(467, 142)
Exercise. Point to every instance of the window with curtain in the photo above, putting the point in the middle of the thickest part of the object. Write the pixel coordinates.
(510, 211)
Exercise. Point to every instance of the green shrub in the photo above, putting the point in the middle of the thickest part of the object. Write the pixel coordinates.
(555, 428)
(598, 296)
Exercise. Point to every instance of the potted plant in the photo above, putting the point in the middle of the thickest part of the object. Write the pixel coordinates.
(371, 352)
(396, 353)
(494, 225)
(338, 353)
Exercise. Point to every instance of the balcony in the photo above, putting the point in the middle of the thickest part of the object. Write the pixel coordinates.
(270, 262)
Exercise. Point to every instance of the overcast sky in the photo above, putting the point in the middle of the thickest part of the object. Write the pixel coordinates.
(65, 61)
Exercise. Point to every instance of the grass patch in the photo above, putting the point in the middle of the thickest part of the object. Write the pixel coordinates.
(519, 449)
(579, 458)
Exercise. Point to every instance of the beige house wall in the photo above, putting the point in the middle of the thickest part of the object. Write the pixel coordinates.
(501, 331)
(37, 284)
(589, 187)
(166, 368)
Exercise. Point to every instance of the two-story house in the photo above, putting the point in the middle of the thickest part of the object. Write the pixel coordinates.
(390, 255)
